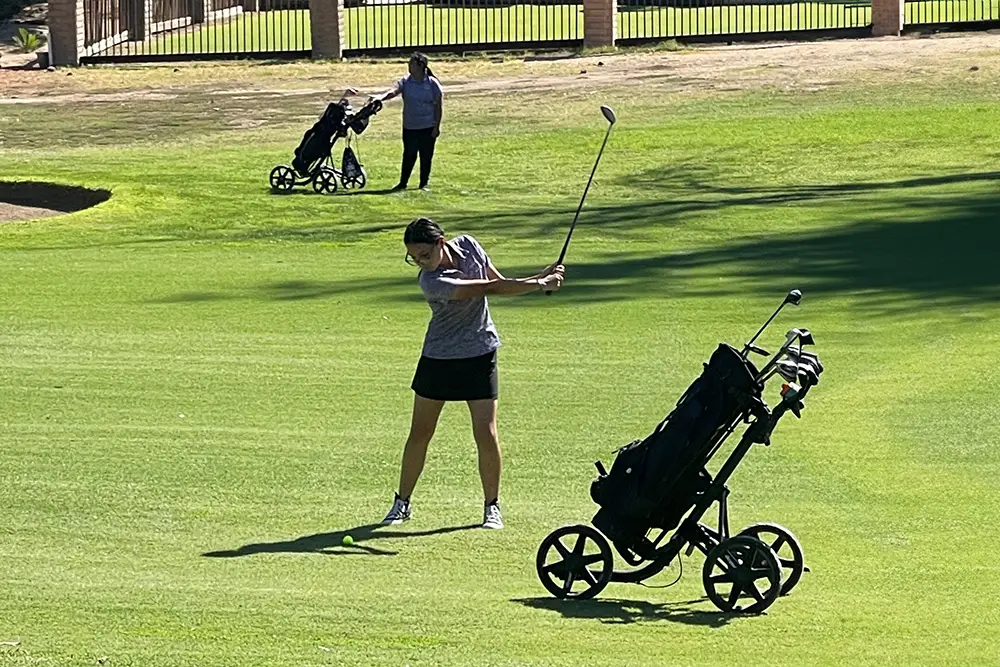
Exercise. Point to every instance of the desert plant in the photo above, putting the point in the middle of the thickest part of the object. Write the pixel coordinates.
(28, 41)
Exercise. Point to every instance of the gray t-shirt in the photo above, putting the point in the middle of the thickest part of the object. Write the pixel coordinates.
(458, 329)
(419, 101)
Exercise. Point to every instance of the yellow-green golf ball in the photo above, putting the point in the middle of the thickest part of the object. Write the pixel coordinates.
(348, 540)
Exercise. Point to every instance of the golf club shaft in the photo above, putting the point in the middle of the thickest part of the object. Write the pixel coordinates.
(562, 255)
(761, 330)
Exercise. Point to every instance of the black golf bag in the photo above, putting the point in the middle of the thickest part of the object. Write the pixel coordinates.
(654, 482)
(318, 140)
(312, 161)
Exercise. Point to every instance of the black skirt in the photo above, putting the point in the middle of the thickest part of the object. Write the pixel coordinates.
(471, 379)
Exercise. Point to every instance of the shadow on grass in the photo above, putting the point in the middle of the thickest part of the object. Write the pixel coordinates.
(927, 247)
(333, 543)
(624, 612)
(307, 189)
(938, 263)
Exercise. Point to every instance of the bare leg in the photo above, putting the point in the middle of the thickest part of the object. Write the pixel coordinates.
(484, 429)
(425, 418)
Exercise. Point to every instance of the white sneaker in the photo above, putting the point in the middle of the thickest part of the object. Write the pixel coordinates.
(491, 516)
(399, 512)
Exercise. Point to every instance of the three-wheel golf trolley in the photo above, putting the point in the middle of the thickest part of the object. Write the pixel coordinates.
(661, 486)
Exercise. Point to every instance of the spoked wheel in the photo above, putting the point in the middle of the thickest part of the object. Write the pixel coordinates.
(325, 182)
(282, 178)
(742, 575)
(358, 180)
(574, 562)
(785, 546)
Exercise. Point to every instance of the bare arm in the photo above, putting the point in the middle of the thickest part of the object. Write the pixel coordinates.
(437, 116)
(471, 289)
(492, 272)
(390, 93)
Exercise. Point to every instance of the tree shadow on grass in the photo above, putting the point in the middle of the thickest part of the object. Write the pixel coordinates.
(627, 612)
(917, 245)
(944, 262)
(333, 543)
(948, 261)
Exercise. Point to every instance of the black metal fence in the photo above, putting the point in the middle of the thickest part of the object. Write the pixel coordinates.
(149, 30)
(951, 12)
(650, 20)
(374, 26)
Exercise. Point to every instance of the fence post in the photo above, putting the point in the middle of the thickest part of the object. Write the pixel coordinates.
(600, 23)
(200, 10)
(326, 23)
(887, 17)
(138, 19)
(65, 32)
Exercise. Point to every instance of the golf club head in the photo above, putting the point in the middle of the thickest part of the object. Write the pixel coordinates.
(806, 338)
(803, 365)
(794, 297)
(788, 370)
(608, 114)
(792, 335)
(808, 377)
(806, 358)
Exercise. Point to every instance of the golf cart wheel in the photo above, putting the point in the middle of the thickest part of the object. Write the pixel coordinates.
(282, 178)
(358, 181)
(785, 546)
(733, 573)
(325, 182)
(574, 562)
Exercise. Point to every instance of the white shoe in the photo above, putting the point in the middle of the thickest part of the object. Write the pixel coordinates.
(399, 512)
(491, 516)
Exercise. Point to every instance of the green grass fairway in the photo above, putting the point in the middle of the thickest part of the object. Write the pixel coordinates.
(204, 386)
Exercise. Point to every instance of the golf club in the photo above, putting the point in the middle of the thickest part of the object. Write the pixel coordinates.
(802, 335)
(609, 115)
(806, 358)
(794, 297)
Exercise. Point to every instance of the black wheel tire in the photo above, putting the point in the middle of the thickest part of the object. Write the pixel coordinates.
(785, 546)
(325, 182)
(358, 181)
(732, 570)
(560, 567)
(282, 178)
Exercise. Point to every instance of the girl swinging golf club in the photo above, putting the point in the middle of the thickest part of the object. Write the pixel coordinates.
(459, 357)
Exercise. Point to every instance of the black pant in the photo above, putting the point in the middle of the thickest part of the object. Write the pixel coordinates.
(417, 142)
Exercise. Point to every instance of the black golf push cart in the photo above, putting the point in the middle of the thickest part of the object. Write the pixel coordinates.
(313, 158)
(658, 489)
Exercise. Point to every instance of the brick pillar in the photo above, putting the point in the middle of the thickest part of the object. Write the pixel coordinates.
(600, 22)
(65, 32)
(887, 17)
(138, 19)
(200, 9)
(326, 18)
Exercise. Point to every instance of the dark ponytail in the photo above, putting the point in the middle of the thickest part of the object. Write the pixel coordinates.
(423, 230)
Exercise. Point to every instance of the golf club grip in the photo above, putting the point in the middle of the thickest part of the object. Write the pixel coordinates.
(562, 256)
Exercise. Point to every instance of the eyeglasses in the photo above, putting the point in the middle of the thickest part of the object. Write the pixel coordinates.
(414, 261)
